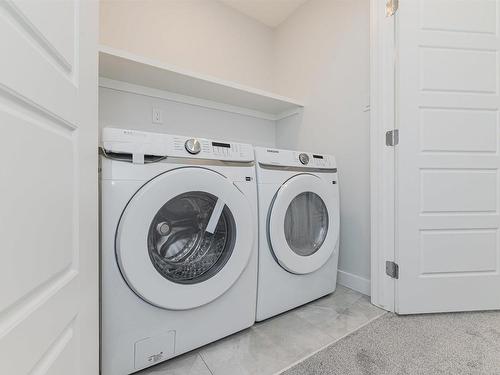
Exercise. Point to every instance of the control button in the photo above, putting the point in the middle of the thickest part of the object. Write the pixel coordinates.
(304, 158)
(192, 146)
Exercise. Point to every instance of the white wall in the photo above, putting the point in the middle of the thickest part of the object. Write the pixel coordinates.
(322, 58)
(203, 36)
(132, 111)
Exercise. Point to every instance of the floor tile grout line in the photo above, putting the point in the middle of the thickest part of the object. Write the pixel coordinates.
(332, 308)
(323, 308)
(327, 345)
(206, 364)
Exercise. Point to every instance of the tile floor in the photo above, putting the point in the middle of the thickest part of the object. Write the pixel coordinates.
(277, 343)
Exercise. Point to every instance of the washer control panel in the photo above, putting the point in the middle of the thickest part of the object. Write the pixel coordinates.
(289, 158)
(146, 143)
(209, 149)
(193, 146)
(304, 158)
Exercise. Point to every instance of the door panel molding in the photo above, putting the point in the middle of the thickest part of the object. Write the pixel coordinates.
(25, 26)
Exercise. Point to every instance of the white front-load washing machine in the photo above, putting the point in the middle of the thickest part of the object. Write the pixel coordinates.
(178, 244)
(298, 228)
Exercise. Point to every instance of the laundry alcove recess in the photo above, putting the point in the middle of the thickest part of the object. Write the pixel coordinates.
(125, 71)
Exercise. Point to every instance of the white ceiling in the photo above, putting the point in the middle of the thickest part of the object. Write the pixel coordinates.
(269, 12)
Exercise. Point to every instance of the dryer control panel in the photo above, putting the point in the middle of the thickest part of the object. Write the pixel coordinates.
(290, 158)
(157, 144)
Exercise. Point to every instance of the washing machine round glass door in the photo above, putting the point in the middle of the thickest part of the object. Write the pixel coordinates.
(184, 238)
(303, 223)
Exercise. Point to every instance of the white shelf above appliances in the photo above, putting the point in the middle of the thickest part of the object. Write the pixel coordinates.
(123, 70)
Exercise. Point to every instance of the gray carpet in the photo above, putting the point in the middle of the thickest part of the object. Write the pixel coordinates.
(460, 343)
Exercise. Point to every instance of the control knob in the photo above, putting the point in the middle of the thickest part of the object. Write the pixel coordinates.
(304, 158)
(192, 146)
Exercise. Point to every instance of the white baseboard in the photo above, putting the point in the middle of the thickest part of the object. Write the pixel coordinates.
(355, 282)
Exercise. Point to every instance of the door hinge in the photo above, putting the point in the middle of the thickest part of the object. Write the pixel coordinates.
(392, 269)
(391, 7)
(392, 137)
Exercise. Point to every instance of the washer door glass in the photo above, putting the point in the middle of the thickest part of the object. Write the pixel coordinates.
(306, 223)
(182, 247)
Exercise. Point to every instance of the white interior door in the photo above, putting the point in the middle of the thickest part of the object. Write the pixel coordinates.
(447, 160)
(48, 187)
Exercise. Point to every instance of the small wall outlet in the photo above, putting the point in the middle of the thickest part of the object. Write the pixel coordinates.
(157, 116)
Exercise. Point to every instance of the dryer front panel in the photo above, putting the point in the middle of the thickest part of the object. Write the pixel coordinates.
(184, 238)
(303, 223)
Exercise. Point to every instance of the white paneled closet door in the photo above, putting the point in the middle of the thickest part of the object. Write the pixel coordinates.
(447, 160)
(48, 187)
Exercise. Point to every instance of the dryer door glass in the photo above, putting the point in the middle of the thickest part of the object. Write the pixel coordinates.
(306, 223)
(191, 237)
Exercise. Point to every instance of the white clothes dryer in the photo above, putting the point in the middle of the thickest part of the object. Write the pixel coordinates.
(178, 245)
(298, 229)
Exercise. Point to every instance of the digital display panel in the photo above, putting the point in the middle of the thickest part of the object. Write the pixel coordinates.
(317, 157)
(218, 144)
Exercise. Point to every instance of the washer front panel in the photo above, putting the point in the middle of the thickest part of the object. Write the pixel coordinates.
(319, 207)
(156, 265)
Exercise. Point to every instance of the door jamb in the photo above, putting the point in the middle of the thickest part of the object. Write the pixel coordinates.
(382, 157)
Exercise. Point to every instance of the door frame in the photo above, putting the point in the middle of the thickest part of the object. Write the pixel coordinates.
(383, 118)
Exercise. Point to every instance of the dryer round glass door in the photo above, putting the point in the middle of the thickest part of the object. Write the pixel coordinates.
(306, 223)
(303, 223)
(184, 238)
